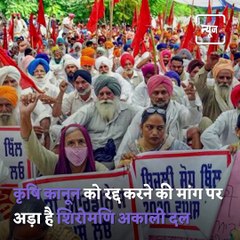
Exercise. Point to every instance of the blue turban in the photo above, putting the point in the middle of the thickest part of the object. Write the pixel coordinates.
(107, 81)
(173, 74)
(60, 40)
(126, 46)
(224, 55)
(33, 65)
(236, 55)
(161, 45)
(43, 56)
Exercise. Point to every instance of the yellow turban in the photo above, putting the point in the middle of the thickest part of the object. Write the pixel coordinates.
(108, 45)
(10, 94)
(85, 60)
(55, 48)
(88, 51)
(222, 64)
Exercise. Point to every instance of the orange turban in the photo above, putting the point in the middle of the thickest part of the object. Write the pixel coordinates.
(117, 52)
(233, 45)
(85, 60)
(222, 64)
(10, 94)
(88, 51)
(108, 45)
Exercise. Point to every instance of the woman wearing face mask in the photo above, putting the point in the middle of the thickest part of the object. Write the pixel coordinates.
(153, 137)
(75, 148)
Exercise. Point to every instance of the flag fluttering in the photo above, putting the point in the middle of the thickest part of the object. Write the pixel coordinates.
(170, 17)
(209, 11)
(228, 29)
(41, 18)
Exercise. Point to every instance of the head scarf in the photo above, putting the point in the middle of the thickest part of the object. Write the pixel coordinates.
(9, 71)
(126, 46)
(43, 56)
(26, 61)
(85, 60)
(236, 56)
(166, 52)
(161, 45)
(194, 63)
(101, 50)
(222, 64)
(158, 80)
(69, 60)
(108, 44)
(149, 68)
(107, 81)
(103, 60)
(60, 40)
(233, 45)
(63, 166)
(88, 51)
(83, 74)
(126, 57)
(10, 94)
(235, 95)
(33, 65)
(173, 74)
(77, 44)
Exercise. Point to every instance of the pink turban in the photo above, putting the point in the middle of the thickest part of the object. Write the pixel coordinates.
(166, 52)
(156, 81)
(126, 57)
(26, 61)
(235, 95)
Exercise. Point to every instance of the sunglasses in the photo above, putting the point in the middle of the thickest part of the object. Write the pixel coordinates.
(153, 110)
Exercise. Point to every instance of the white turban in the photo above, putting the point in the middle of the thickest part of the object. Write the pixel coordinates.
(9, 71)
(69, 60)
(77, 44)
(103, 60)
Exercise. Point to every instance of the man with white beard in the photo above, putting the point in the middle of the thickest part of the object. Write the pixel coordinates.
(8, 103)
(106, 120)
(215, 99)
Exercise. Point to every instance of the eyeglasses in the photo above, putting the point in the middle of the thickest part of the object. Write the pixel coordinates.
(152, 110)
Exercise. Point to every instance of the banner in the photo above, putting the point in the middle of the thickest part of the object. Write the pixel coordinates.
(13, 154)
(113, 180)
(200, 170)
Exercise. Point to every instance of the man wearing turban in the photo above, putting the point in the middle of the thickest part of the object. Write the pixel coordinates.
(107, 119)
(8, 102)
(215, 99)
(221, 132)
(104, 67)
(87, 63)
(133, 76)
(179, 117)
(82, 95)
(177, 65)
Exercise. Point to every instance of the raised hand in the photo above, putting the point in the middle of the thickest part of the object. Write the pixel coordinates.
(47, 99)
(63, 86)
(190, 91)
(28, 102)
(211, 61)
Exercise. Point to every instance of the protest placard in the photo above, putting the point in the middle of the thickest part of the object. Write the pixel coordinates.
(114, 179)
(198, 169)
(228, 215)
(14, 157)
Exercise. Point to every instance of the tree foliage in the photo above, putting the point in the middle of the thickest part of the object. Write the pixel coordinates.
(123, 11)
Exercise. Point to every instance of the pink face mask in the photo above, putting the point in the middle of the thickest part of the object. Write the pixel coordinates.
(76, 155)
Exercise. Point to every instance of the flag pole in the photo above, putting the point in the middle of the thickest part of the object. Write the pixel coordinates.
(154, 51)
(192, 8)
(111, 17)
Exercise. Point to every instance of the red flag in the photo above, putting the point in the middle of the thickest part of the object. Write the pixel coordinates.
(97, 13)
(170, 17)
(189, 38)
(179, 26)
(225, 13)
(41, 18)
(25, 81)
(198, 53)
(115, 2)
(11, 28)
(214, 38)
(209, 11)
(135, 18)
(160, 20)
(228, 29)
(5, 41)
(144, 23)
(54, 33)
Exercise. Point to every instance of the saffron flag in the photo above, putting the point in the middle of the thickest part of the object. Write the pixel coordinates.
(41, 18)
(228, 28)
(97, 13)
(170, 17)
(209, 11)
(25, 81)
(144, 23)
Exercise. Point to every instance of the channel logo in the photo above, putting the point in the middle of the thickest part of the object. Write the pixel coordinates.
(209, 29)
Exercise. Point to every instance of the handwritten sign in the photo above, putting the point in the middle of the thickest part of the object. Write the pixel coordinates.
(114, 179)
(198, 169)
(14, 157)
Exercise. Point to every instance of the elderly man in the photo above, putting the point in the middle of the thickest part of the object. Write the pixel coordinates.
(8, 102)
(82, 94)
(106, 119)
(222, 131)
(160, 89)
(129, 73)
(215, 99)
(104, 67)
